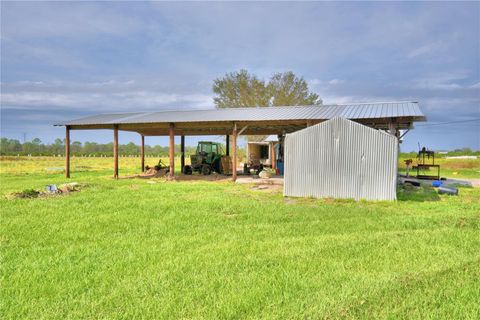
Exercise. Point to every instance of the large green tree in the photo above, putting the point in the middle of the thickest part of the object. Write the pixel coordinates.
(286, 89)
(242, 89)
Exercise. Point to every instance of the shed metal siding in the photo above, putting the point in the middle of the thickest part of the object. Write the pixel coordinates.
(340, 158)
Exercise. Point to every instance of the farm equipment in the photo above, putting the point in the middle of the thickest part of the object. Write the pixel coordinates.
(425, 161)
(253, 164)
(160, 166)
(207, 159)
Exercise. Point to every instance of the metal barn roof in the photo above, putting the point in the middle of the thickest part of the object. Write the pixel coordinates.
(258, 120)
(323, 112)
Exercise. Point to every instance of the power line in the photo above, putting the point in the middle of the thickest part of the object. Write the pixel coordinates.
(443, 123)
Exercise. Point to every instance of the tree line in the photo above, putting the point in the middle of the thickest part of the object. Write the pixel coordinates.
(13, 147)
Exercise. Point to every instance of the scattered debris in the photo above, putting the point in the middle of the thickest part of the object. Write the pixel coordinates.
(436, 183)
(259, 187)
(69, 187)
(412, 182)
(50, 190)
(265, 174)
(153, 173)
(448, 190)
(266, 187)
(25, 194)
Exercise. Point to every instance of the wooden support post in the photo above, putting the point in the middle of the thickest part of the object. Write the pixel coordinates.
(142, 153)
(115, 151)
(67, 152)
(171, 150)
(227, 145)
(392, 129)
(272, 155)
(182, 151)
(234, 153)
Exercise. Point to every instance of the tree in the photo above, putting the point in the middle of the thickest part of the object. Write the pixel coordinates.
(241, 89)
(76, 147)
(58, 146)
(286, 89)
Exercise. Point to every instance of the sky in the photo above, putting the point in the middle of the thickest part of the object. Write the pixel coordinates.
(66, 60)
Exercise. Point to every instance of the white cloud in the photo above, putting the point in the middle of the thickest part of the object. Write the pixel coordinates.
(314, 82)
(77, 20)
(335, 81)
(475, 86)
(431, 48)
(442, 81)
(108, 96)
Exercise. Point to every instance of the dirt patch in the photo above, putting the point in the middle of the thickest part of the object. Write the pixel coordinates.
(277, 180)
(51, 191)
(25, 194)
(195, 177)
(148, 174)
(267, 187)
(290, 201)
(154, 174)
(475, 182)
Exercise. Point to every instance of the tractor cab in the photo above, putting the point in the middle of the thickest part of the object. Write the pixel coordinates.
(207, 151)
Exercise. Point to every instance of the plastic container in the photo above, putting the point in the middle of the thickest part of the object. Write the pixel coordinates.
(280, 167)
(436, 183)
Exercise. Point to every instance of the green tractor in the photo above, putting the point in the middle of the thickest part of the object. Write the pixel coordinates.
(207, 159)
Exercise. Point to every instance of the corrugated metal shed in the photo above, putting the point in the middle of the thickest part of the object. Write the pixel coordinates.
(340, 158)
(325, 112)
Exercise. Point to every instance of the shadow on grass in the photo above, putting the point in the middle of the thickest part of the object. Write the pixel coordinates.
(408, 192)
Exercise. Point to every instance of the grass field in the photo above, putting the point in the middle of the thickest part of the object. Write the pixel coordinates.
(453, 168)
(129, 249)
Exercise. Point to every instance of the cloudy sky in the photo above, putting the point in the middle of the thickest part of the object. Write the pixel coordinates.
(64, 60)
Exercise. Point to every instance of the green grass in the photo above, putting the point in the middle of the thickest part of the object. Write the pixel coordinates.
(126, 249)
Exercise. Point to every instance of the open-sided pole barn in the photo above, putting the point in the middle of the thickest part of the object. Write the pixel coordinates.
(391, 116)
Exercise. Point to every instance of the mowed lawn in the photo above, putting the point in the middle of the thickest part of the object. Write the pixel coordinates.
(129, 249)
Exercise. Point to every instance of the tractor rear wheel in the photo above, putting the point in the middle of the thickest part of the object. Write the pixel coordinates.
(187, 170)
(206, 170)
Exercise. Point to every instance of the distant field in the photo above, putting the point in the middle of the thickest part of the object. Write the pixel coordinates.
(152, 249)
(453, 168)
(54, 165)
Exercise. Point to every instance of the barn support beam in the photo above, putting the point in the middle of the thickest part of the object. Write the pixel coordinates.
(142, 153)
(171, 150)
(182, 153)
(272, 154)
(67, 152)
(227, 145)
(115, 151)
(234, 153)
(392, 128)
